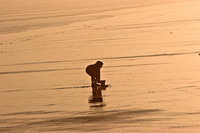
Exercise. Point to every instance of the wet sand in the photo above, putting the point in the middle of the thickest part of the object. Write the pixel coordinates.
(151, 62)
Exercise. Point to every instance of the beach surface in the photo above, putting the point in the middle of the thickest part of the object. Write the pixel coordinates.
(151, 56)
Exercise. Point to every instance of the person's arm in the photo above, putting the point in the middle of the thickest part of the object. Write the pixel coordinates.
(98, 75)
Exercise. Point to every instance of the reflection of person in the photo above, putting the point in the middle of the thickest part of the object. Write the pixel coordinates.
(94, 71)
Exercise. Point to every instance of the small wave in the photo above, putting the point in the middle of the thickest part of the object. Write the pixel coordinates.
(30, 113)
(183, 126)
(12, 90)
(186, 87)
(135, 65)
(155, 24)
(72, 87)
(153, 55)
(89, 122)
(34, 71)
(105, 58)
(68, 69)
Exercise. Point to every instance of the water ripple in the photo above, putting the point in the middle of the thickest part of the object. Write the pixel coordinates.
(89, 122)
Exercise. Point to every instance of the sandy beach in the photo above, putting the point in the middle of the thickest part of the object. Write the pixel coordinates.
(151, 61)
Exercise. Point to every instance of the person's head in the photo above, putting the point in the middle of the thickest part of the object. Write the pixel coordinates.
(99, 64)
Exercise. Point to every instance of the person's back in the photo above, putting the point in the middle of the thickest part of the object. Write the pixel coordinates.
(94, 71)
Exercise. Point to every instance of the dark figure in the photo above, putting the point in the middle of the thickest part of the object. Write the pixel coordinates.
(96, 95)
(94, 71)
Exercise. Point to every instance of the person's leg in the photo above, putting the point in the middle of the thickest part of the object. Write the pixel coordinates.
(93, 80)
(93, 84)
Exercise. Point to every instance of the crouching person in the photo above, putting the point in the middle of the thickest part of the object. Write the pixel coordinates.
(94, 72)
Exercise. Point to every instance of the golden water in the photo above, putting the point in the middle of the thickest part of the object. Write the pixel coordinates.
(151, 60)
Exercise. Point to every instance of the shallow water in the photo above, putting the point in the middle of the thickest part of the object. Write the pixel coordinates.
(151, 62)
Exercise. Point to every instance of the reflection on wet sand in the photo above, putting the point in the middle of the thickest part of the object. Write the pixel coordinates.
(97, 99)
(151, 56)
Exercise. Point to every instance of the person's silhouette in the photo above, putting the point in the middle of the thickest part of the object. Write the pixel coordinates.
(94, 71)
